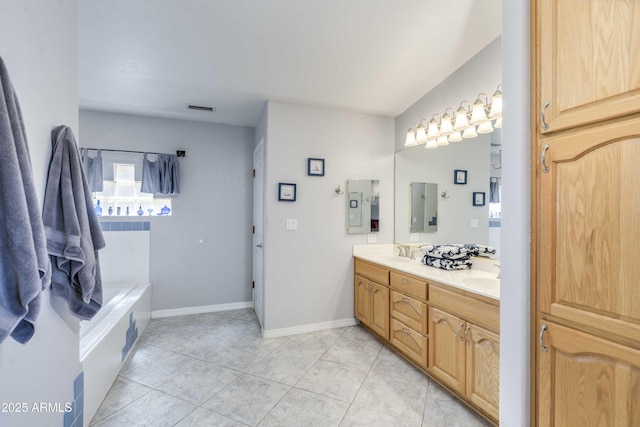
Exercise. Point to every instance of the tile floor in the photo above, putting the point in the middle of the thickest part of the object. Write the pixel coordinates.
(216, 370)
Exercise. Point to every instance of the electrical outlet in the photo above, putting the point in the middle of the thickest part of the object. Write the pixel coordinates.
(292, 224)
(474, 223)
(415, 237)
(371, 238)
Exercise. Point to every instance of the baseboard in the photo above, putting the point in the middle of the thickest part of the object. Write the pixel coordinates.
(156, 314)
(313, 327)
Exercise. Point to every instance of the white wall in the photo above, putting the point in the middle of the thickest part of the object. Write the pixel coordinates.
(482, 73)
(309, 272)
(516, 222)
(214, 206)
(455, 212)
(38, 44)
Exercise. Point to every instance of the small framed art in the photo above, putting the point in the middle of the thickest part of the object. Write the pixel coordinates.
(459, 176)
(478, 198)
(286, 192)
(315, 167)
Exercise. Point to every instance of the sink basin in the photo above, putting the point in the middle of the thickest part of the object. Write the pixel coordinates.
(482, 283)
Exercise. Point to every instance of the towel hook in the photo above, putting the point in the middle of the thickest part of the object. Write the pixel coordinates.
(339, 191)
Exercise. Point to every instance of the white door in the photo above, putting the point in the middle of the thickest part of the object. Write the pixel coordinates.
(258, 220)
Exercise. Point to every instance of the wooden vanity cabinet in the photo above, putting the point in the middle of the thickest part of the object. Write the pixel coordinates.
(409, 317)
(451, 335)
(371, 298)
(465, 354)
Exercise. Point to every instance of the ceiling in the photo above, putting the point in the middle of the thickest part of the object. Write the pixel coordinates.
(154, 57)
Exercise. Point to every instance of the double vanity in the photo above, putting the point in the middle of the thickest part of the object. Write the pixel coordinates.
(446, 323)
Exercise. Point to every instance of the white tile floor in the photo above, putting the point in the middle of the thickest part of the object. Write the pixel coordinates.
(216, 370)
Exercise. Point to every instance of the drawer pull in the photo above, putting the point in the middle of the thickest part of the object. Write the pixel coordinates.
(406, 281)
(406, 330)
(460, 331)
(405, 300)
(541, 338)
(466, 334)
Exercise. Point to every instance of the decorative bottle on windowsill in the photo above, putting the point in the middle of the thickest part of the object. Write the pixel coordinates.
(98, 209)
(140, 211)
(165, 210)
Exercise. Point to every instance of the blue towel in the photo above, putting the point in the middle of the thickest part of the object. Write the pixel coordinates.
(24, 265)
(74, 236)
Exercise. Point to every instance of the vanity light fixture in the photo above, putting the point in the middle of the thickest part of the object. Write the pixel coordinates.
(467, 122)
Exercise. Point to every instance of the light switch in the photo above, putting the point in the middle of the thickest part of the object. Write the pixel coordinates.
(474, 223)
(371, 238)
(292, 224)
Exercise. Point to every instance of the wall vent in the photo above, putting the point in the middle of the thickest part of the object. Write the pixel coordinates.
(201, 108)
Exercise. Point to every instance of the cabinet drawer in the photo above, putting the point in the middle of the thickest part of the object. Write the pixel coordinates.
(469, 308)
(373, 272)
(409, 311)
(409, 285)
(412, 343)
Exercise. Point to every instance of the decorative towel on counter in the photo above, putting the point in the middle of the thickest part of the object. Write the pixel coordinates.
(93, 170)
(24, 266)
(447, 264)
(480, 250)
(73, 232)
(452, 251)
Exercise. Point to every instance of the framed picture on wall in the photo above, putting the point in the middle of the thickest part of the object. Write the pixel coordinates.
(315, 167)
(478, 198)
(286, 192)
(459, 176)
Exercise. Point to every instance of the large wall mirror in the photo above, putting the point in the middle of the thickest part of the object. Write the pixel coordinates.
(363, 206)
(457, 220)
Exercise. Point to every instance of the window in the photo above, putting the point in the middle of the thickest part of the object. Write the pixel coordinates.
(121, 195)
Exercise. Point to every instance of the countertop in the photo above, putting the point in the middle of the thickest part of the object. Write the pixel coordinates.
(480, 279)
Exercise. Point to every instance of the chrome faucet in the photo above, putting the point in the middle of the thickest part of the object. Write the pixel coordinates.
(403, 251)
(499, 270)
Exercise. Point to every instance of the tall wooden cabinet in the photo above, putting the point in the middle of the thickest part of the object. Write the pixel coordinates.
(585, 274)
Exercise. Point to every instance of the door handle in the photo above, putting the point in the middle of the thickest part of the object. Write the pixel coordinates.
(543, 159)
(259, 245)
(541, 338)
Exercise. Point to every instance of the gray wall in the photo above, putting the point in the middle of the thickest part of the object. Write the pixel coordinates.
(308, 276)
(38, 42)
(215, 206)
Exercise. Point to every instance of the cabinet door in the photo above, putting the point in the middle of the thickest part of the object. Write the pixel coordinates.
(362, 300)
(380, 309)
(483, 369)
(447, 348)
(589, 59)
(588, 229)
(587, 381)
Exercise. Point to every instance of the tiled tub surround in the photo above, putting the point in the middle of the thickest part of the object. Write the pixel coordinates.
(215, 369)
(107, 340)
(445, 322)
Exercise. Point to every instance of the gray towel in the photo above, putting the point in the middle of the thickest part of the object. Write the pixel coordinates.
(73, 232)
(24, 266)
(93, 170)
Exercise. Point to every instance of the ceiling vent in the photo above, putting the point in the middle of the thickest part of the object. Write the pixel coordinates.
(201, 108)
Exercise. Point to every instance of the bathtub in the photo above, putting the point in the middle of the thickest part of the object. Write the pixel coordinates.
(107, 339)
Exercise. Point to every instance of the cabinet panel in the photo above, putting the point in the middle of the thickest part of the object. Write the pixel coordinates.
(380, 310)
(410, 311)
(483, 369)
(588, 223)
(589, 380)
(410, 285)
(410, 342)
(371, 271)
(589, 59)
(484, 313)
(362, 301)
(447, 349)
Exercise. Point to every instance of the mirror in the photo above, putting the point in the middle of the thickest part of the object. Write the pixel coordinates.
(458, 220)
(424, 207)
(363, 206)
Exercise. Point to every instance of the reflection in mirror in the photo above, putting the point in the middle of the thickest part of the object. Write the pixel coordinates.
(424, 207)
(363, 206)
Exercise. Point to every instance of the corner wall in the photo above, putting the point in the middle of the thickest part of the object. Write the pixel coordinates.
(309, 272)
(38, 40)
(201, 255)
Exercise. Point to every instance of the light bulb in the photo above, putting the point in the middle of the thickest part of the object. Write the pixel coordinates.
(411, 138)
(421, 135)
(485, 127)
(496, 104)
(431, 144)
(478, 114)
(455, 137)
(445, 125)
(442, 141)
(433, 131)
(461, 119)
(469, 133)
(498, 123)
